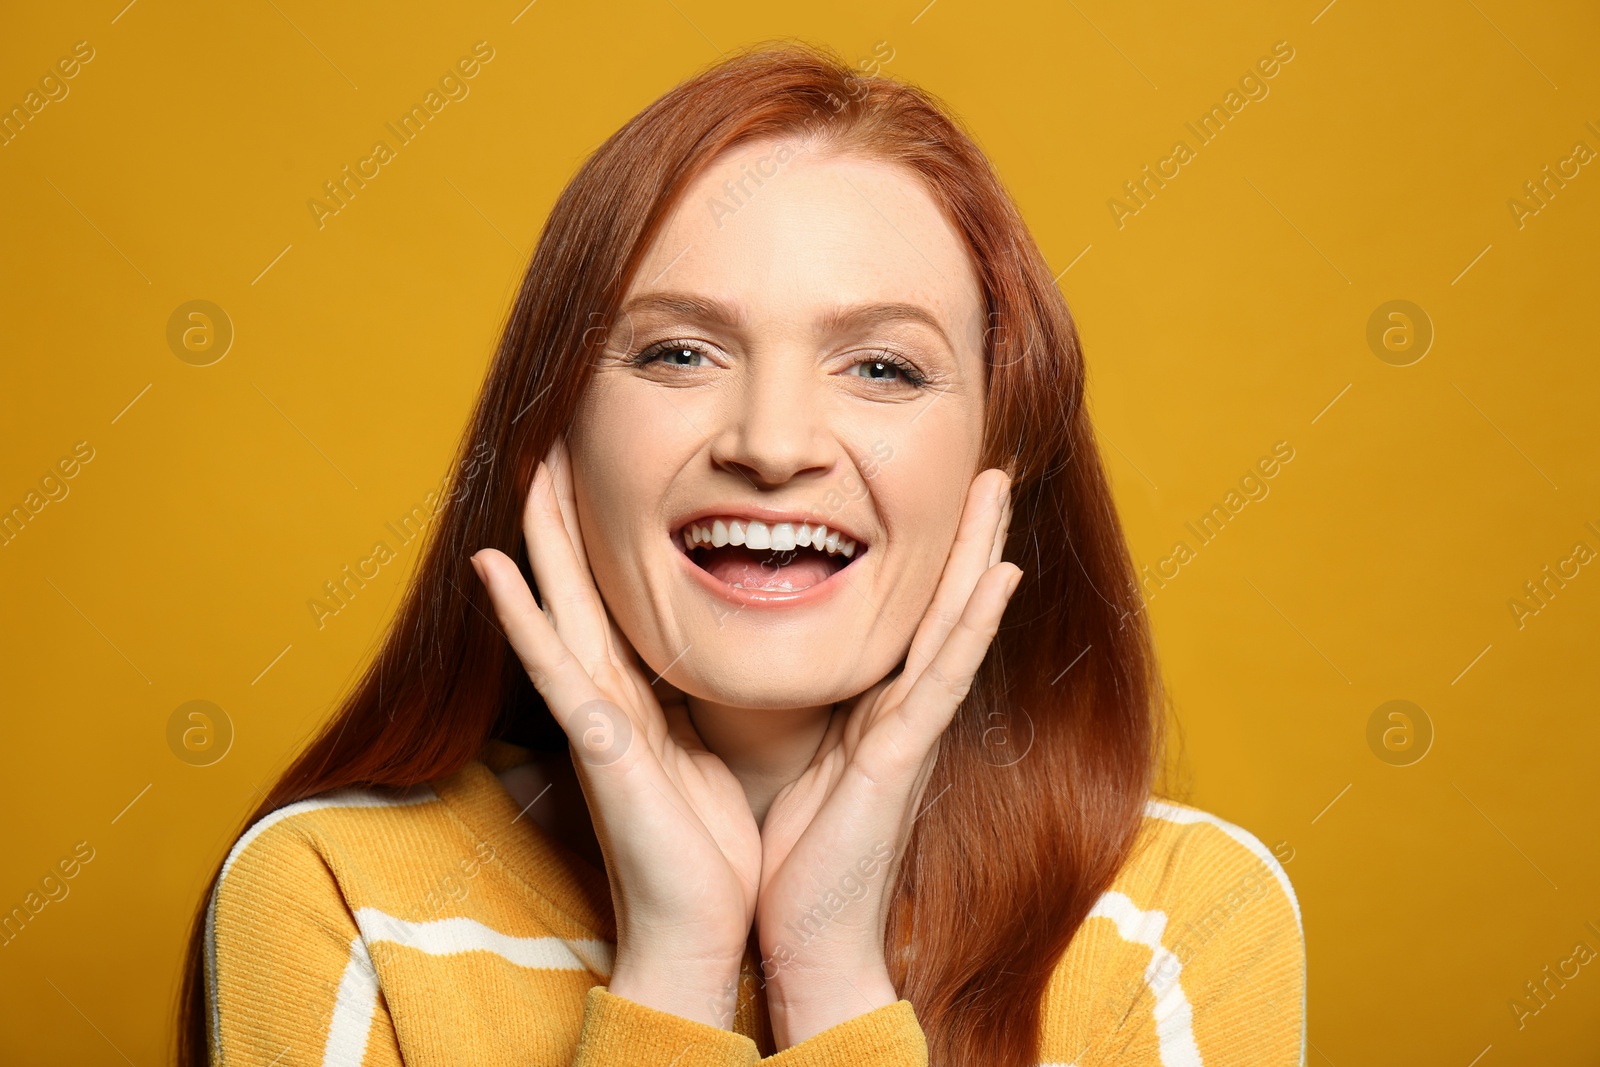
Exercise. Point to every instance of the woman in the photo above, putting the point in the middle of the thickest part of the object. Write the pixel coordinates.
(833, 740)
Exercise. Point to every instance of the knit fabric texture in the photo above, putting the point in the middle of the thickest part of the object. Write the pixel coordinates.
(440, 925)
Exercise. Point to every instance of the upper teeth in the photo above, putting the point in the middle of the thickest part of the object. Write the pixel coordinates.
(780, 536)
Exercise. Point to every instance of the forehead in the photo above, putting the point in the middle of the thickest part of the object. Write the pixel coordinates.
(783, 231)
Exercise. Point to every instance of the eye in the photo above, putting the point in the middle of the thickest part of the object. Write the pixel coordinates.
(672, 354)
(887, 367)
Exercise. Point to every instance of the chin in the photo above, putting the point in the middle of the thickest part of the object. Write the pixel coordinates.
(746, 680)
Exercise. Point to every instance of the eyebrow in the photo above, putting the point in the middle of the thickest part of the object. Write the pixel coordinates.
(835, 319)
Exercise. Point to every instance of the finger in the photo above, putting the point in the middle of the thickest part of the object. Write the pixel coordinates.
(681, 728)
(559, 460)
(559, 463)
(969, 559)
(872, 702)
(551, 666)
(565, 588)
(1003, 529)
(940, 689)
(838, 730)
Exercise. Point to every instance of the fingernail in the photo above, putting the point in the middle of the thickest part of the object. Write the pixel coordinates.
(1016, 579)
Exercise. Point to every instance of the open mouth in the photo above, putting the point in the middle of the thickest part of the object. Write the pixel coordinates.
(776, 557)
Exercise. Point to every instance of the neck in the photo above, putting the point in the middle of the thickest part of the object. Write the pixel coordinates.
(764, 749)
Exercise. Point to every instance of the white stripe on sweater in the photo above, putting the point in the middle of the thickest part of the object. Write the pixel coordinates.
(342, 798)
(1173, 1017)
(358, 990)
(353, 1011)
(448, 937)
(1172, 813)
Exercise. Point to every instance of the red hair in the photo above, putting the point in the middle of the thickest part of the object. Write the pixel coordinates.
(1050, 759)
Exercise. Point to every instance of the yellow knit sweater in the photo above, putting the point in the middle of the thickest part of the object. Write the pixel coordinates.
(438, 925)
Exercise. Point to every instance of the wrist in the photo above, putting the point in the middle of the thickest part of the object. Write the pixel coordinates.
(702, 992)
(800, 1006)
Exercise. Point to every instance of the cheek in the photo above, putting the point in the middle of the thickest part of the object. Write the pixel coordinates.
(920, 489)
(622, 440)
(621, 464)
(628, 445)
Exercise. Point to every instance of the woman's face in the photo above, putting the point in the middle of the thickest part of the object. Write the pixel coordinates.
(800, 353)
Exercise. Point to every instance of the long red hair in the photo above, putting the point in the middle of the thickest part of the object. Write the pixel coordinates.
(1050, 759)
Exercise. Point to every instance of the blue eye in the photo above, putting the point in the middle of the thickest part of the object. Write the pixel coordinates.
(672, 353)
(887, 368)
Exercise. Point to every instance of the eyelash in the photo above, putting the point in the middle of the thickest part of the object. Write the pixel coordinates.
(907, 371)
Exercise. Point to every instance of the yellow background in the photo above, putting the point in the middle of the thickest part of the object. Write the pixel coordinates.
(1228, 314)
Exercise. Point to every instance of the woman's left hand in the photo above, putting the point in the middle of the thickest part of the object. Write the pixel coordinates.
(832, 840)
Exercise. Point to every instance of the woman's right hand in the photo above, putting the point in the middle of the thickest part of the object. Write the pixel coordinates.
(682, 849)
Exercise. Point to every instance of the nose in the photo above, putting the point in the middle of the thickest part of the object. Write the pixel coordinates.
(774, 430)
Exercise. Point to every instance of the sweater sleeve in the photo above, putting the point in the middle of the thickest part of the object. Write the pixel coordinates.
(1241, 956)
(618, 1032)
(289, 979)
(889, 1036)
(1215, 971)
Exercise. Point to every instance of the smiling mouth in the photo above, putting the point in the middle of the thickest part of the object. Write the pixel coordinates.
(781, 557)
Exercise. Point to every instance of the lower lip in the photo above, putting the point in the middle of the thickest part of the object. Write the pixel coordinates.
(765, 598)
